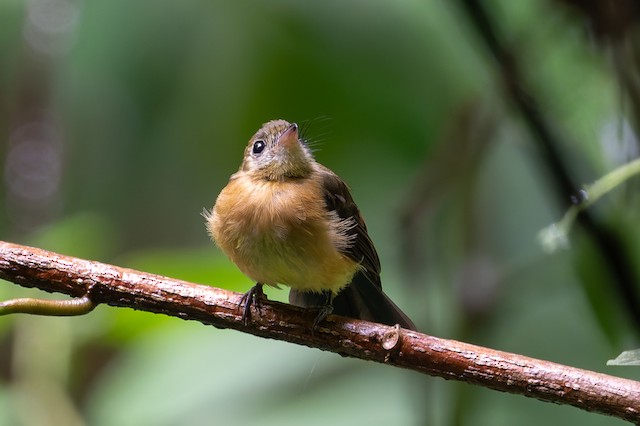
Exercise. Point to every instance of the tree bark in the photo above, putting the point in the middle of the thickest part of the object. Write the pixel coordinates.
(449, 359)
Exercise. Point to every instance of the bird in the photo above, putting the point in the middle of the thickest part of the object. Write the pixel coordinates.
(285, 219)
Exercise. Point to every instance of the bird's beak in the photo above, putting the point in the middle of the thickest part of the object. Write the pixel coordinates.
(289, 138)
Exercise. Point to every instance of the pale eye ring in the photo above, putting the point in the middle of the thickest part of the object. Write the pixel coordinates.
(258, 146)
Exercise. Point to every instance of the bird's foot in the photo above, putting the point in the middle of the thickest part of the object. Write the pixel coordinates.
(252, 297)
(324, 312)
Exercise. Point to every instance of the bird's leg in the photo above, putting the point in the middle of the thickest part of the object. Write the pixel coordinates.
(253, 296)
(325, 309)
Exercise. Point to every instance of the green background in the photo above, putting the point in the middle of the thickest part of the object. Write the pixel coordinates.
(122, 120)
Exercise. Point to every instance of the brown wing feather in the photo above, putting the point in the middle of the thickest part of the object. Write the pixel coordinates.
(363, 297)
(339, 199)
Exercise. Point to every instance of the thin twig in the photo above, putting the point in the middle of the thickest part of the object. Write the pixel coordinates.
(60, 308)
(557, 234)
(115, 286)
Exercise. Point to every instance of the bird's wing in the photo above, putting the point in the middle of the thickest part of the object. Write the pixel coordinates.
(363, 297)
(338, 198)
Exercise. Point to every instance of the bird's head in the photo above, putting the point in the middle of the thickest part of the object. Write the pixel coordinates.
(276, 152)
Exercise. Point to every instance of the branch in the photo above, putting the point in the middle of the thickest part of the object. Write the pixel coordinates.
(449, 359)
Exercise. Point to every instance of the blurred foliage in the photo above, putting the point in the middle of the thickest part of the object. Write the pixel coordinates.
(123, 120)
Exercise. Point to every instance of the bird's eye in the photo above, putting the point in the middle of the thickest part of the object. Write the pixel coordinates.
(258, 146)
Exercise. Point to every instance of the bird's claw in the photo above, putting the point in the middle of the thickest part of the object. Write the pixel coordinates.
(251, 297)
(324, 312)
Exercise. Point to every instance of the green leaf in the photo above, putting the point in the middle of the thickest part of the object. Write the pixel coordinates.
(626, 358)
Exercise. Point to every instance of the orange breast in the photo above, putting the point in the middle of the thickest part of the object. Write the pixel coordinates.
(281, 233)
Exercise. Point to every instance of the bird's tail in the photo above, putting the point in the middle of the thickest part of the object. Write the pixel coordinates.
(361, 299)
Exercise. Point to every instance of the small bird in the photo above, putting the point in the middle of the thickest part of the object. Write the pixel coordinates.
(283, 218)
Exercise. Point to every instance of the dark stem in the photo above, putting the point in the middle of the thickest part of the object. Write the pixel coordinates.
(616, 258)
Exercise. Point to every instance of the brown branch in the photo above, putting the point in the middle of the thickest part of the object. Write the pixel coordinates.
(115, 286)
